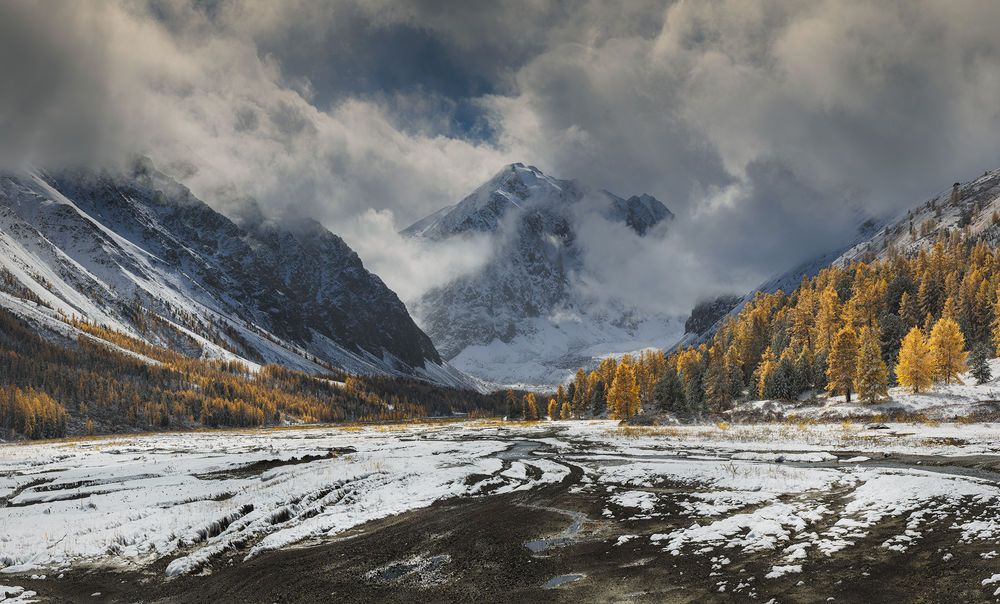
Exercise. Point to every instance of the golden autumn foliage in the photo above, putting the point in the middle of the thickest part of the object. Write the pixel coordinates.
(916, 365)
(623, 395)
(828, 319)
(948, 350)
(44, 385)
(996, 321)
(787, 343)
(592, 392)
(871, 377)
(530, 409)
(767, 366)
(718, 385)
(31, 413)
(580, 392)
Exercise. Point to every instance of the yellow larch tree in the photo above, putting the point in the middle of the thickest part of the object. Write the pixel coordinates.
(852, 314)
(996, 322)
(948, 350)
(623, 395)
(580, 394)
(658, 366)
(767, 366)
(868, 302)
(802, 317)
(828, 319)
(983, 311)
(641, 375)
(717, 383)
(554, 408)
(530, 410)
(915, 368)
(608, 367)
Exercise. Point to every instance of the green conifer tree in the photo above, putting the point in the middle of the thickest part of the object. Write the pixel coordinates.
(872, 377)
(979, 365)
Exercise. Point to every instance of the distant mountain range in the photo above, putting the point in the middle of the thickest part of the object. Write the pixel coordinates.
(137, 252)
(521, 317)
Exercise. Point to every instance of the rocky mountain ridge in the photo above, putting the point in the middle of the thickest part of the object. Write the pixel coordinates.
(136, 249)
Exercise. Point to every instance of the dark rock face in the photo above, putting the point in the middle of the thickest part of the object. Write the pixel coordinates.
(317, 283)
(706, 314)
(639, 212)
(300, 284)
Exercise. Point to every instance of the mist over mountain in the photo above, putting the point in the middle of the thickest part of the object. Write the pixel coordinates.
(525, 315)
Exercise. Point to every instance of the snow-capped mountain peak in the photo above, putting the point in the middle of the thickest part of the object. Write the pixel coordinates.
(497, 322)
(518, 188)
(515, 187)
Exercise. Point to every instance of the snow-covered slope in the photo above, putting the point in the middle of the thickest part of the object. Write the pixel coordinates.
(137, 252)
(964, 205)
(943, 402)
(521, 318)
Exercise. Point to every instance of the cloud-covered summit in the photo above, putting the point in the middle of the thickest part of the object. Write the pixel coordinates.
(766, 126)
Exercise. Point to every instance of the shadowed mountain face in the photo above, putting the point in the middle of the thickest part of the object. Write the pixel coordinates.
(534, 271)
(108, 243)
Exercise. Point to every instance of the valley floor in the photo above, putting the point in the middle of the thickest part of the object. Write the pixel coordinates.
(583, 511)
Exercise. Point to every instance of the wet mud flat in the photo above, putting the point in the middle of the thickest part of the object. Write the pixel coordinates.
(625, 524)
(460, 551)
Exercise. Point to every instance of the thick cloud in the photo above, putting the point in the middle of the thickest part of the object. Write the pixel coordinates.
(767, 126)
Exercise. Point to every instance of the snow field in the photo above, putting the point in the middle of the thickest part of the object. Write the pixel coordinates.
(782, 492)
(795, 493)
(133, 500)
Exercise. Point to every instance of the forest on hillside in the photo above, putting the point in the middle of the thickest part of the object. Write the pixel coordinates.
(851, 330)
(86, 385)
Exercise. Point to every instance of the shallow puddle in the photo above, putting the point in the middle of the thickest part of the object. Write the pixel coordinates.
(557, 581)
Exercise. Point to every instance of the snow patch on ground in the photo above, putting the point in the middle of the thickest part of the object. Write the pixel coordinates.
(190, 497)
(635, 499)
(781, 571)
(780, 457)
